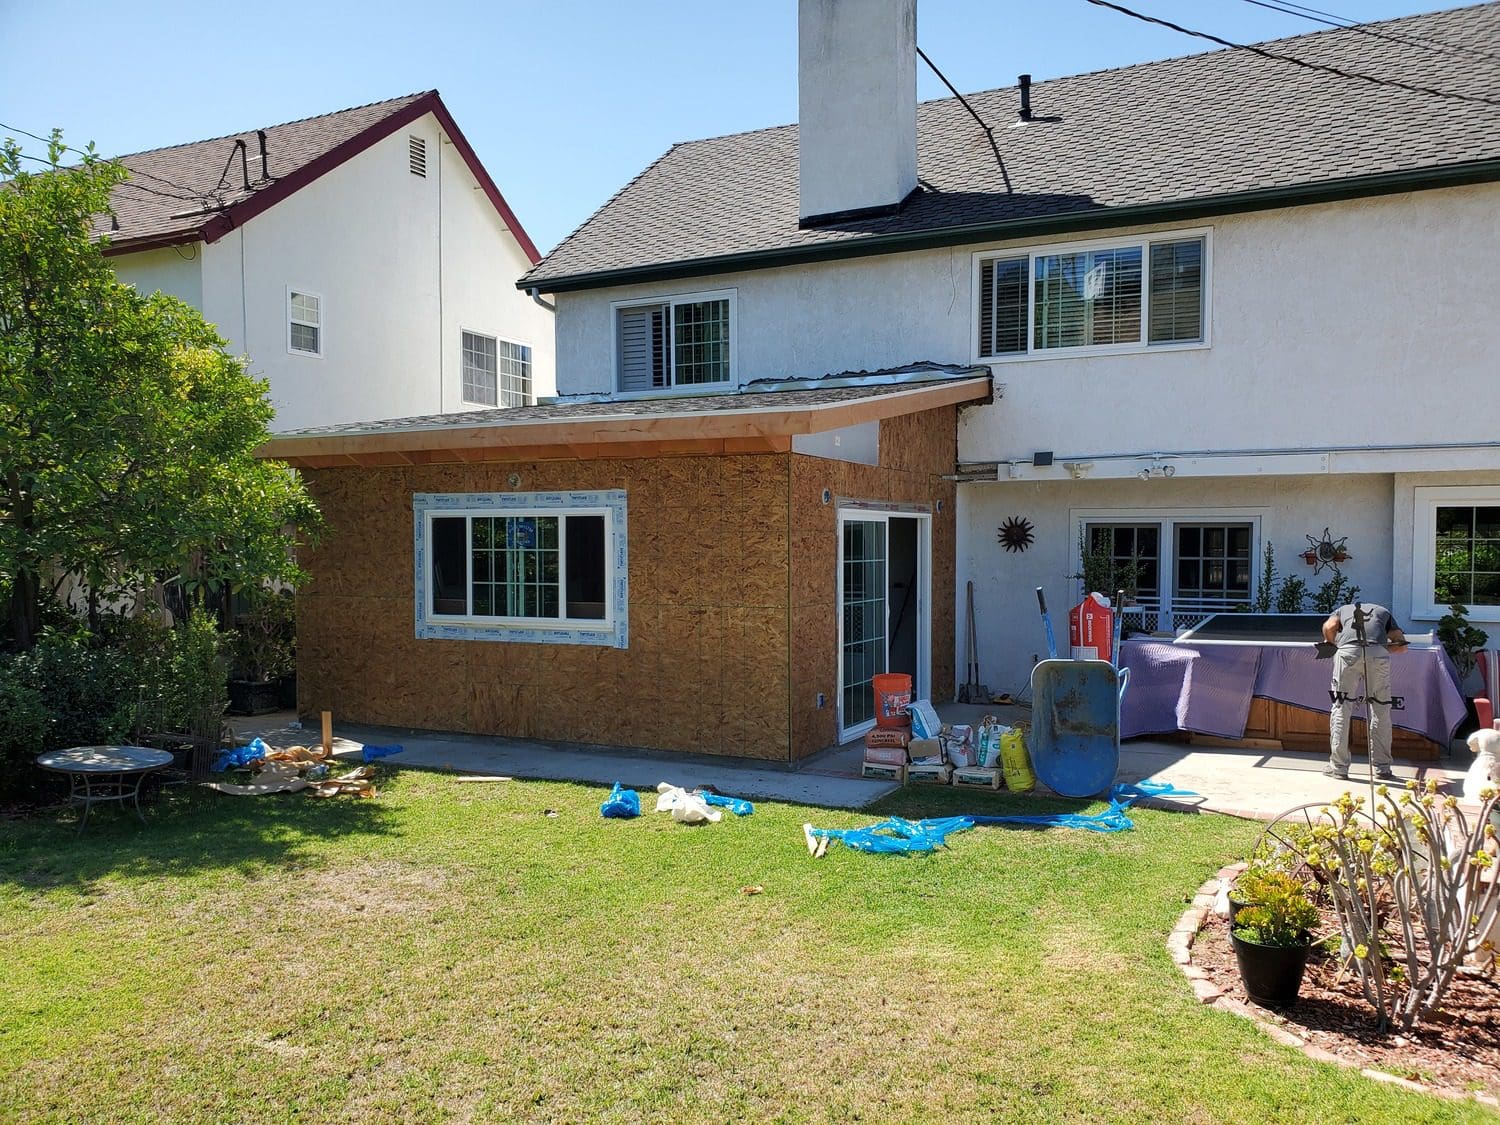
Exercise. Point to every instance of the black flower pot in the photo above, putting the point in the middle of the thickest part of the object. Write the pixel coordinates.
(1272, 973)
(252, 697)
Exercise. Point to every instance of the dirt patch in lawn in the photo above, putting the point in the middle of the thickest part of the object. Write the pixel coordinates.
(1459, 1050)
(374, 889)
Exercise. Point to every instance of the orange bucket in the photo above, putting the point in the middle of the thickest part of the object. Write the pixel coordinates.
(892, 694)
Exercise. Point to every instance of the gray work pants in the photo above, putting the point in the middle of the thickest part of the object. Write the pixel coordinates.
(1348, 671)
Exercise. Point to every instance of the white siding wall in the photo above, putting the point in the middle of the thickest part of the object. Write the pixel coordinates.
(1288, 509)
(1330, 326)
(366, 239)
(176, 271)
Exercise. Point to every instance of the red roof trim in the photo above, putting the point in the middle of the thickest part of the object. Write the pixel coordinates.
(242, 212)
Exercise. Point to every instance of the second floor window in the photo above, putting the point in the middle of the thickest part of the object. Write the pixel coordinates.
(1118, 296)
(304, 332)
(682, 342)
(496, 372)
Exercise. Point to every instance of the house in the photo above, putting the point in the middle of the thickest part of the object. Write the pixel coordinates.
(364, 260)
(1182, 310)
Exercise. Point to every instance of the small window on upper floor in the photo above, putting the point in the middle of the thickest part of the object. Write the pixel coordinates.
(304, 332)
(496, 372)
(416, 151)
(684, 341)
(1093, 298)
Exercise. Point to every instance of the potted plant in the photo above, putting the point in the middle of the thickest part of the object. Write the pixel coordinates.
(262, 653)
(1271, 933)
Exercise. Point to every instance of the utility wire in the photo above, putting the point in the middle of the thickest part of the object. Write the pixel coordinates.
(134, 186)
(1294, 61)
(988, 130)
(1329, 19)
(196, 196)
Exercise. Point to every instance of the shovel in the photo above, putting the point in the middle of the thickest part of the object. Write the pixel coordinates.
(972, 690)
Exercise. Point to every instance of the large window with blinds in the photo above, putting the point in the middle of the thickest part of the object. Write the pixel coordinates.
(1093, 297)
(681, 342)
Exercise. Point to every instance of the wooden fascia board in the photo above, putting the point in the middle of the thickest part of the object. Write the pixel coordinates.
(600, 434)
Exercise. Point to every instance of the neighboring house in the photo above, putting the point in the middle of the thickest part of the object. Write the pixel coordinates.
(364, 260)
(1224, 302)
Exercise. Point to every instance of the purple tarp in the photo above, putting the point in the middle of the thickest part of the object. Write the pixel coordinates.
(1207, 689)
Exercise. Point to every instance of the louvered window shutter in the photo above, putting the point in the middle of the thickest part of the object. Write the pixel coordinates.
(643, 348)
(1002, 306)
(1176, 311)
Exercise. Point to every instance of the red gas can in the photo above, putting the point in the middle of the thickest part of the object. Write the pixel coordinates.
(1091, 628)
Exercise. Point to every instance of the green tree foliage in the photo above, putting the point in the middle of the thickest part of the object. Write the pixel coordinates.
(127, 430)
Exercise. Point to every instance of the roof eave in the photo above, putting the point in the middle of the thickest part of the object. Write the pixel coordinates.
(1260, 199)
(758, 429)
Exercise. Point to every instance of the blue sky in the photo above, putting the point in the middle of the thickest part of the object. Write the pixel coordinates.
(564, 100)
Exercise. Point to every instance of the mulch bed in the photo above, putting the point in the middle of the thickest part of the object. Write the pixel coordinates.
(1458, 1050)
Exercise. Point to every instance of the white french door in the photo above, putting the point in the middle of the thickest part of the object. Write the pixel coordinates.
(884, 597)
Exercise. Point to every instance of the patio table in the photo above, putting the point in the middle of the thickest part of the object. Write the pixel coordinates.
(98, 774)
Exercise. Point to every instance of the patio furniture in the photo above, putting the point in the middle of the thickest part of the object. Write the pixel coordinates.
(100, 774)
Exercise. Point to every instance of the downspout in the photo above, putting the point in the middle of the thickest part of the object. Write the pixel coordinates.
(536, 295)
(442, 327)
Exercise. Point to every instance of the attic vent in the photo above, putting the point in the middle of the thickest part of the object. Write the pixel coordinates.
(417, 151)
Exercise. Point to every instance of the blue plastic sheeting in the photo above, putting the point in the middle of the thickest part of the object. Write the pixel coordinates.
(238, 757)
(370, 753)
(898, 835)
(737, 805)
(621, 804)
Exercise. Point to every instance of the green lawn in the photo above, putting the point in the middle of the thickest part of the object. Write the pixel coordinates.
(447, 950)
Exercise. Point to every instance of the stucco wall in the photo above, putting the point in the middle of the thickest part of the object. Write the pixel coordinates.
(1329, 326)
(175, 270)
(366, 238)
(1289, 509)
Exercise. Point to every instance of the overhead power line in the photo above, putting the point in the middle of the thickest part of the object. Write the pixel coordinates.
(1305, 64)
(1329, 19)
(988, 131)
(193, 196)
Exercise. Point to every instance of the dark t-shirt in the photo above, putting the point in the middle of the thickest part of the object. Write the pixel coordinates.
(1377, 621)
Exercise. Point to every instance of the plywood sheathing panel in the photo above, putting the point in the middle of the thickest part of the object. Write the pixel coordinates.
(708, 663)
(914, 453)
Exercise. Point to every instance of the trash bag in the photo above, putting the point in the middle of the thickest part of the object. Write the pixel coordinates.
(370, 753)
(238, 757)
(737, 805)
(621, 804)
(685, 807)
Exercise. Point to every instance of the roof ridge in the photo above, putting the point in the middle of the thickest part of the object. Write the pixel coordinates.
(1266, 43)
(403, 98)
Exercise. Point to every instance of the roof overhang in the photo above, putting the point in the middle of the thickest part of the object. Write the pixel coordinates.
(598, 432)
(219, 223)
(1044, 226)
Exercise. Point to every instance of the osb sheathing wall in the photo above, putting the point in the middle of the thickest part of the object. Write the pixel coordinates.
(915, 452)
(733, 626)
(706, 670)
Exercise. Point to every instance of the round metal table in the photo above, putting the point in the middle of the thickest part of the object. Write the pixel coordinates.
(98, 774)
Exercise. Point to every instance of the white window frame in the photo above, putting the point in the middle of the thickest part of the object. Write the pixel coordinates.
(463, 381)
(1426, 501)
(1166, 519)
(612, 630)
(1042, 250)
(321, 326)
(673, 300)
(500, 375)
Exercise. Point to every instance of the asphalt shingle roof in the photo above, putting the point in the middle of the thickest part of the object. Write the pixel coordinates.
(175, 190)
(1180, 130)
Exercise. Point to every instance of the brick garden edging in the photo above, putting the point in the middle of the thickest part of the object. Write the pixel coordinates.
(1180, 946)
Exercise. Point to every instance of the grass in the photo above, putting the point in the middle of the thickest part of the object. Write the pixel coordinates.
(448, 951)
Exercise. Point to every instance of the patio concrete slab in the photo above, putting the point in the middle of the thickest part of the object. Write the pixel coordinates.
(1249, 783)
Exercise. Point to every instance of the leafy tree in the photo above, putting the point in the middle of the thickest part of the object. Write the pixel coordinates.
(127, 430)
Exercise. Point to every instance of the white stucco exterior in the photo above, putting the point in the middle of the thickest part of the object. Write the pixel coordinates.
(402, 264)
(1352, 356)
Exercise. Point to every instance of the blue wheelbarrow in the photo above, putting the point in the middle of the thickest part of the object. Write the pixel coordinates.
(1075, 717)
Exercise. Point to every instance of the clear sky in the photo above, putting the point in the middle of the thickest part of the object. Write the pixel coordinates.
(564, 100)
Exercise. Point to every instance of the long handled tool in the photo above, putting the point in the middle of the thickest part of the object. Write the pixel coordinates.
(972, 690)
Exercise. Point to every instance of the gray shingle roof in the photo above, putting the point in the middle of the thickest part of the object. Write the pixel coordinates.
(1180, 130)
(176, 190)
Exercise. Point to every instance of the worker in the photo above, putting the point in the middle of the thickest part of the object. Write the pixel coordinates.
(1365, 636)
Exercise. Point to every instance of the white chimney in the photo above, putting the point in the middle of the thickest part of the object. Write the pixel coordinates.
(857, 101)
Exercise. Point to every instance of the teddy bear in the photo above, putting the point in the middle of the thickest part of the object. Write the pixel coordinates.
(1485, 772)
